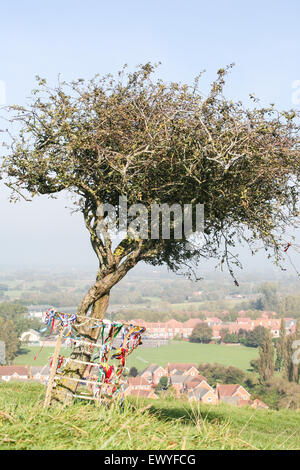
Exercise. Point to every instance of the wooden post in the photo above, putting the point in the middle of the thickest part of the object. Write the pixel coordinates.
(53, 370)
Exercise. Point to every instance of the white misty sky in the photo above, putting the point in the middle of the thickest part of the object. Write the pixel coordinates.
(79, 39)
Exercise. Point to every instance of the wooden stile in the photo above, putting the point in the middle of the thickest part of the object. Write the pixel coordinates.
(53, 369)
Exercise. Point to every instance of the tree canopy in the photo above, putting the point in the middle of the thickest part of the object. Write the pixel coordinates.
(164, 143)
(202, 333)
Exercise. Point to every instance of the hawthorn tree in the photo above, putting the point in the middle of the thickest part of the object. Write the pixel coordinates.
(157, 143)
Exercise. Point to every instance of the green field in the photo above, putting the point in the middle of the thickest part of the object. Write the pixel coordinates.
(179, 351)
(175, 351)
(163, 424)
(26, 356)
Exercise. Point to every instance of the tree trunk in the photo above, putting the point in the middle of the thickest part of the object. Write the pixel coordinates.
(98, 298)
(65, 387)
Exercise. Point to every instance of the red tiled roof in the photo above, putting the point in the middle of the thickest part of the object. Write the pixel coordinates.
(10, 370)
(260, 403)
(192, 322)
(180, 365)
(137, 381)
(191, 385)
(173, 323)
(242, 322)
(198, 378)
(217, 328)
(227, 390)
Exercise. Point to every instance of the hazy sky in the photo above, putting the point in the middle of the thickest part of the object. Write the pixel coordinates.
(81, 38)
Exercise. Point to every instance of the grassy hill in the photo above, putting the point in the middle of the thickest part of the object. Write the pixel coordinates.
(144, 424)
(175, 351)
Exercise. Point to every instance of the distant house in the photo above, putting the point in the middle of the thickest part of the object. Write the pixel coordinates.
(290, 325)
(34, 314)
(232, 400)
(8, 373)
(232, 393)
(153, 373)
(204, 395)
(192, 383)
(143, 393)
(216, 331)
(165, 331)
(185, 383)
(40, 374)
(259, 404)
(244, 321)
(176, 368)
(30, 336)
(244, 403)
(178, 383)
(251, 403)
(213, 321)
(137, 384)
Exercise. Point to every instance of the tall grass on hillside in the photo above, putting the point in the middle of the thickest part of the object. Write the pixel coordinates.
(163, 424)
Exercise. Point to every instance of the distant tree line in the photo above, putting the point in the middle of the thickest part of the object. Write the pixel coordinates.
(202, 333)
(277, 392)
(279, 355)
(13, 323)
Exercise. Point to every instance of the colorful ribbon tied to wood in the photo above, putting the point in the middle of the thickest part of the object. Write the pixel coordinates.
(103, 372)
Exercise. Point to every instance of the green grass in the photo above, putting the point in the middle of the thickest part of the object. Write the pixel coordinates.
(175, 351)
(180, 351)
(26, 356)
(143, 425)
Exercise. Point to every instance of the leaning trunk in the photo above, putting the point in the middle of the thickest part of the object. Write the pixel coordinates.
(66, 387)
(97, 297)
